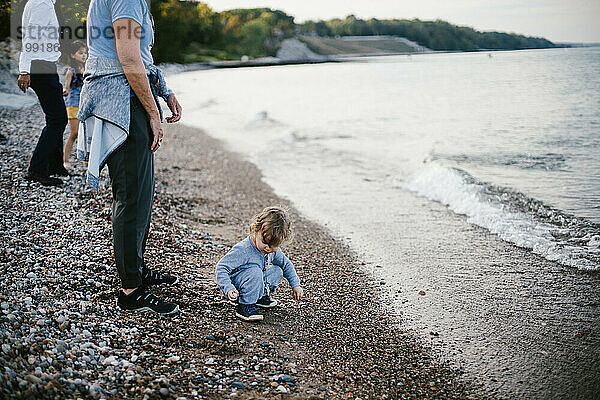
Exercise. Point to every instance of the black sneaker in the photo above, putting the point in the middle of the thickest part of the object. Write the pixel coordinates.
(43, 179)
(266, 302)
(142, 300)
(150, 278)
(61, 171)
(247, 312)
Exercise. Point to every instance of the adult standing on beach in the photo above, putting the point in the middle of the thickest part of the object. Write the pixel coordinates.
(122, 128)
(37, 69)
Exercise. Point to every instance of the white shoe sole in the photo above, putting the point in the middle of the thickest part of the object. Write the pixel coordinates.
(273, 304)
(254, 318)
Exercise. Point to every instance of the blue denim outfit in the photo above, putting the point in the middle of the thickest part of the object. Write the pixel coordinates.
(72, 99)
(252, 273)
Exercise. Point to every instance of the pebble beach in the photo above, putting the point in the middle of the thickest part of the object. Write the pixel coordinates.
(62, 336)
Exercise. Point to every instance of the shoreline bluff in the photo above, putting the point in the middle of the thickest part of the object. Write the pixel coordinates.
(62, 336)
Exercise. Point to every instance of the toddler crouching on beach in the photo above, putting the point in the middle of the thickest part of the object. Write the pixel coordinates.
(254, 267)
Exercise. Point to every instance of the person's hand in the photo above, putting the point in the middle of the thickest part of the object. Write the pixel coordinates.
(65, 92)
(175, 108)
(157, 132)
(298, 293)
(24, 81)
(233, 294)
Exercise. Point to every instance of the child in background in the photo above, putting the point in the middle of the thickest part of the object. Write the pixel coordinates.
(254, 267)
(72, 89)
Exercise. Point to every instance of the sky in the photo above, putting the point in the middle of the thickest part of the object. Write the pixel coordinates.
(556, 20)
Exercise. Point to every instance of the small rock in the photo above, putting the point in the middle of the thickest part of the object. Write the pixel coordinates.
(594, 241)
(339, 375)
(421, 293)
(237, 385)
(287, 379)
(53, 384)
(164, 391)
(6, 347)
(95, 390)
(282, 389)
(173, 359)
(109, 360)
(34, 379)
(31, 275)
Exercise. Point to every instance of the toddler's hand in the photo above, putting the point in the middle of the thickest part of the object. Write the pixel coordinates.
(298, 293)
(233, 294)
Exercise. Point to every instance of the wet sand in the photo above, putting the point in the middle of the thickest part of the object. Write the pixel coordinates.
(62, 336)
(528, 327)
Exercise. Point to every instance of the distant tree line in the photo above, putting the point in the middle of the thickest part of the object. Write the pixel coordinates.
(189, 31)
(436, 35)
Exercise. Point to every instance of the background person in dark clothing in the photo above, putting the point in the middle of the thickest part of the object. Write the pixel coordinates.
(37, 65)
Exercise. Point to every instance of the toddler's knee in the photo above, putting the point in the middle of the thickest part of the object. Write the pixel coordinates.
(276, 273)
(254, 277)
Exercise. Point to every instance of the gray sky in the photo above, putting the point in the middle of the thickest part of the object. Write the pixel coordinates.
(557, 20)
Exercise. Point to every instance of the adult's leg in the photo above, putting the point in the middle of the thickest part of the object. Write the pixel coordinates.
(250, 283)
(131, 169)
(47, 156)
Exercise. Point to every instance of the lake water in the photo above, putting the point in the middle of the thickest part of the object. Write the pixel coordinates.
(474, 177)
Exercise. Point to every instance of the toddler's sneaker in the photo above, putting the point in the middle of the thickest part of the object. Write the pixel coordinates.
(266, 302)
(150, 278)
(142, 300)
(247, 312)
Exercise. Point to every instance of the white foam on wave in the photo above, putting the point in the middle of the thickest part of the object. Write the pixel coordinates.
(451, 189)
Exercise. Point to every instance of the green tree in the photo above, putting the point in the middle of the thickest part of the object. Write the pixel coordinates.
(254, 34)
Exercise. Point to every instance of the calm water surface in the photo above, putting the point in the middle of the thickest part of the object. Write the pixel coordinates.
(471, 176)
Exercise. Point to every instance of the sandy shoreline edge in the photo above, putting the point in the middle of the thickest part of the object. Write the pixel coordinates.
(61, 335)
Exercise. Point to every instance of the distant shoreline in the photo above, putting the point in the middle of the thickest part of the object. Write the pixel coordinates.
(272, 61)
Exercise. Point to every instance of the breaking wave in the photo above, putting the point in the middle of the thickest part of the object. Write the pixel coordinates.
(513, 216)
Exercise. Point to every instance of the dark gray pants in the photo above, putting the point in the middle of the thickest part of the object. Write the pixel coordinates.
(131, 169)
